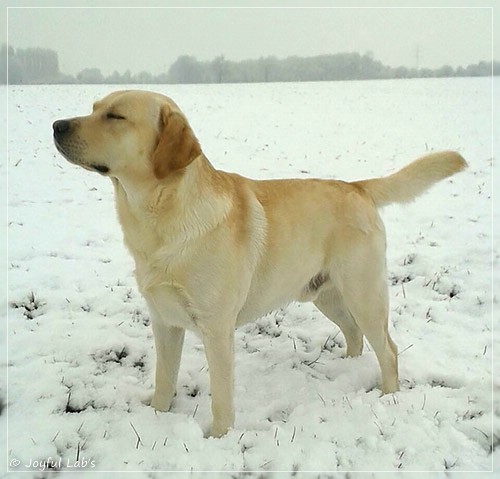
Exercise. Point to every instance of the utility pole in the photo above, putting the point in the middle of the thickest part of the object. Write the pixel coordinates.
(417, 57)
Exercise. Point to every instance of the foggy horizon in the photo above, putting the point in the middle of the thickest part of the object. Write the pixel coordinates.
(229, 60)
(152, 39)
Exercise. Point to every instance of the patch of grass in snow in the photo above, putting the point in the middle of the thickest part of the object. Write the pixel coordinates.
(31, 306)
(442, 284)
(400, 279)
(121, 356)
(139, 316)
(111, 355)
(71, 408)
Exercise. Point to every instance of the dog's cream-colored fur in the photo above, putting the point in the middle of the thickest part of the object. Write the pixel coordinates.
(214, 250)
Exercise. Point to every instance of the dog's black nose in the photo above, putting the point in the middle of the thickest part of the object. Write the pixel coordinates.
(61, 127)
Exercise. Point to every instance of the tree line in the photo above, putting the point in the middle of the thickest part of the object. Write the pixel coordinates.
(41, 66)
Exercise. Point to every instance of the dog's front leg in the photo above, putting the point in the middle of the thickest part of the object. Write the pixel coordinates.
(219, 349)
(168, 344)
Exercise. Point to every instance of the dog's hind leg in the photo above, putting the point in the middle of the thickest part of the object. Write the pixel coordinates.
(331, 304)
(364, 287)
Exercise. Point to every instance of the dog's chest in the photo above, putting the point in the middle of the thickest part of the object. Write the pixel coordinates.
(161, 279)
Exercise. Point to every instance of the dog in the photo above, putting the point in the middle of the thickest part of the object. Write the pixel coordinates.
(214, 250)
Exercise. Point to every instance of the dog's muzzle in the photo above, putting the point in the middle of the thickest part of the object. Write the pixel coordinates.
(62, 130)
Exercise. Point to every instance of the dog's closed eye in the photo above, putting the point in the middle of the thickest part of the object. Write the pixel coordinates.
(114, 116)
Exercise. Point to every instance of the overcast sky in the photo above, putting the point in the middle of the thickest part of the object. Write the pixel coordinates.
(152, 39)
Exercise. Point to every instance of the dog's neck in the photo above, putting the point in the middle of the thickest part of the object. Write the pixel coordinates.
(134, 194)
(178, 208)
(150, 194)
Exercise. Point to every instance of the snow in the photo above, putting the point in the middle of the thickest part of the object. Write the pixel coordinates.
(80, 349)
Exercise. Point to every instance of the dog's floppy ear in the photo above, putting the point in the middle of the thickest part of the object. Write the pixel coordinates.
(177, 145)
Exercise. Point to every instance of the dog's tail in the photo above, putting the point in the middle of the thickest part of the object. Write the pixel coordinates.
(411, 181)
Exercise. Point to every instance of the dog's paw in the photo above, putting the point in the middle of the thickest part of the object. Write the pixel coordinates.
(217, 433)
(157, 402)
(219, 430)
(160, 404)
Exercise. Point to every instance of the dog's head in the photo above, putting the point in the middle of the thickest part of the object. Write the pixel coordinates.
(133, 133)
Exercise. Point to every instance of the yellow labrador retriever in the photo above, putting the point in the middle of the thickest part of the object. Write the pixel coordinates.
(214, 250)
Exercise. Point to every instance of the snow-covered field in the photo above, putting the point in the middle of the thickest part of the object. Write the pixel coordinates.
(80, 348)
